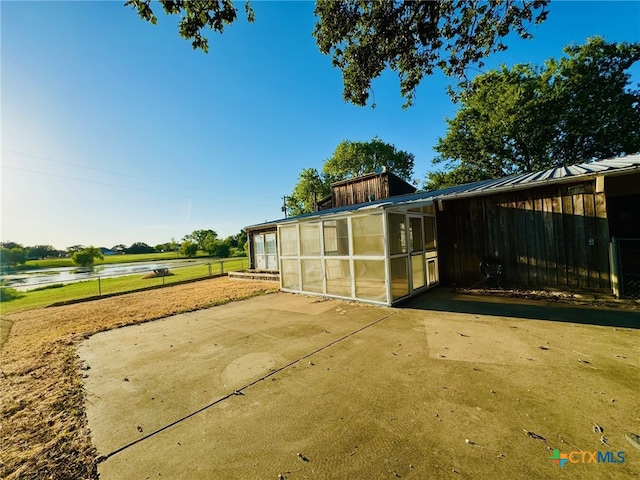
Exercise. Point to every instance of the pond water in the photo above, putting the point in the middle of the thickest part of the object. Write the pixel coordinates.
(30, 279)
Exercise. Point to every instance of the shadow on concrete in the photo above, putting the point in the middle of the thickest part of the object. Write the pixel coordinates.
(446, 300)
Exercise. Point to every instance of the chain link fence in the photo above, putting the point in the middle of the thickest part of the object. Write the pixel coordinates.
(97, 284)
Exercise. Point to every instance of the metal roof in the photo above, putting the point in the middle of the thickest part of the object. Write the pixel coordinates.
(521, 181)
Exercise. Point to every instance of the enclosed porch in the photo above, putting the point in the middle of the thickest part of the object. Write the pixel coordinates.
(380, 254)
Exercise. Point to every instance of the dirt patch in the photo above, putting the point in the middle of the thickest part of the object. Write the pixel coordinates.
(573, 298)
(43, 421)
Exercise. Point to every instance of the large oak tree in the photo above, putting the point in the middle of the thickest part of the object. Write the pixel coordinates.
(526, 118)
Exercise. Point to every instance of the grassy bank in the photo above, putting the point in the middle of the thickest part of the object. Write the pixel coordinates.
(108, 259)
(55, 293)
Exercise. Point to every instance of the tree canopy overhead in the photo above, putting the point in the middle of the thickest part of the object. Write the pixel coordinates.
(195, 16)
(526, 118)
(412, 38)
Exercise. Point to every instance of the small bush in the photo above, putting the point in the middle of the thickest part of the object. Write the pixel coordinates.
(8, 293)
(48, 287)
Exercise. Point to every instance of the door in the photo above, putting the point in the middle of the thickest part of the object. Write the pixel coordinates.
(416, 249)
(270, 250)
(258, 249)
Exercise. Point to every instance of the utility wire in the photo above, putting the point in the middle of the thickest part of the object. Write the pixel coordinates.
(113, 173)
(139, 189)
(97, 169)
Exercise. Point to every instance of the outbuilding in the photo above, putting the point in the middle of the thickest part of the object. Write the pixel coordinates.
(569, 228)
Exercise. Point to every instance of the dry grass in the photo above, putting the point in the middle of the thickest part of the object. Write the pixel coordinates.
(44, 427)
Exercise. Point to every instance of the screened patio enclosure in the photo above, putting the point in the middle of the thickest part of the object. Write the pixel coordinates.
(379, 254)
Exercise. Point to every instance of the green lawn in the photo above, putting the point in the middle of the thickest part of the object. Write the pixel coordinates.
(59, 293)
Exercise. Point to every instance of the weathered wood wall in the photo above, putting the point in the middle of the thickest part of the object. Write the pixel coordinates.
(361, 189)
(553, 236)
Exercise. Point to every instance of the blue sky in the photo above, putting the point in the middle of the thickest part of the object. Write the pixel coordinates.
(117, 131)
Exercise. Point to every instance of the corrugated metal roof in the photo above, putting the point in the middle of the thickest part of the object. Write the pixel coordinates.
(552, 175)
(520, 181)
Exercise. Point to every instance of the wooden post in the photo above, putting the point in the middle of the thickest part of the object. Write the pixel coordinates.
(614, 261)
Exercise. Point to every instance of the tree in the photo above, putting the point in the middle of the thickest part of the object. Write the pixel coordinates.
(13, 256)
(188, 249)
(41, 251)
(17, 257)
(75, 248)
(10, 245)
(527, 119)
(120, 248)
(198, 237)
(4, 256)
(365, 38)
(140, 247)
(87, 256)
(350, 159)
(415, 38)
(194, 16)
(210, 244)
(163, 247)
(310, 188)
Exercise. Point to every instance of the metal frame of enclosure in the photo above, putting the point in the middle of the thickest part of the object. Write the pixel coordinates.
(380, 254)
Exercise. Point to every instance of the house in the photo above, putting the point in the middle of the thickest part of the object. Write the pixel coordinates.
(571, 228)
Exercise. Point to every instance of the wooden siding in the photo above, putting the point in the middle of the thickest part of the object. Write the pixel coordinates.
(365, 189)
(541, 235)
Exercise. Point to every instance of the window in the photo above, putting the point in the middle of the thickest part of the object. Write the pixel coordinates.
(399, 278)
(432, 271)
(336, 237)
(338, 277)
(270, 243)
(417, 268)
(311, 275)
(289, 240)
(430, 233)
(429, 209)
(290, 274)
(367, 235)
(370, 280)
(397, 233)
(310, 239)
(270, 251)
(264, 251)
(415, 234)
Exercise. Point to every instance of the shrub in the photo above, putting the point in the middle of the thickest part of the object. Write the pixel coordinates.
(48, 287)
(8, 293)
